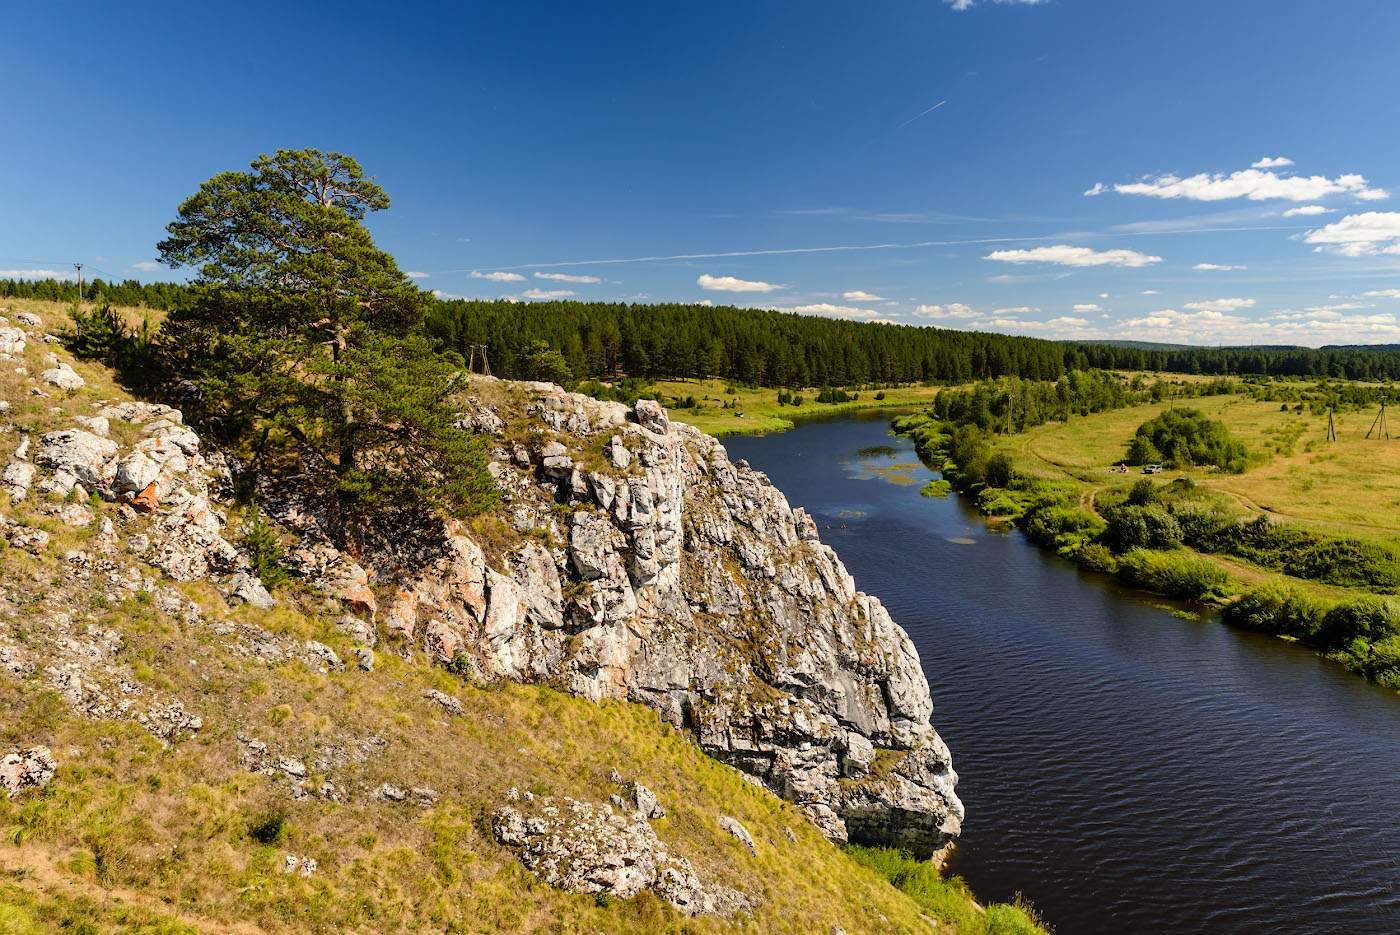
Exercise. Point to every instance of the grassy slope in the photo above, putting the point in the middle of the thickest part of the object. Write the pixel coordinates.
(134, 835)
(1348, 487)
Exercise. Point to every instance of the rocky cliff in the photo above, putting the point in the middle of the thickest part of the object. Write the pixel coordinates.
(629, 559)
(635, 561)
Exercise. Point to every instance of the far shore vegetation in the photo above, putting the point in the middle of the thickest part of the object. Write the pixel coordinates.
(1247, 504)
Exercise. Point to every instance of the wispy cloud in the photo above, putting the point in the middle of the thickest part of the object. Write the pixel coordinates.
(37, 274)
(416, 275)
(963, 5)
(1254, 184)
(1087, 307)
(546, 294)
(1065, 255)
(1217, 267)
(1306, 211)
(733, 284)
(922, 113)
(1220, 305)
(859, 295)
(828, 310)
(1382, 294)
(952, 310)
(145, 266)
(568, 277)
(497, 276)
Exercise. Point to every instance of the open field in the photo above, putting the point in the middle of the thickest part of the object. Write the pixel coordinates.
(1347, 487)
(757, 411)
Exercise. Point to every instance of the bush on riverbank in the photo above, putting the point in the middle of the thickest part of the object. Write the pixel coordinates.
(1362, 634)
(1277, 609)
(1177, 573)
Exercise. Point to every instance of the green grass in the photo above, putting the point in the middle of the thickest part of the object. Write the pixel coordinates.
(946, 899)
(757, 411)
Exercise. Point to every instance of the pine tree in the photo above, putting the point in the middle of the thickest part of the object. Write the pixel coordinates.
(306, 343)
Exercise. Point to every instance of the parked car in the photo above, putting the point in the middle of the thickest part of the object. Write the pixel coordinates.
(1152, 469)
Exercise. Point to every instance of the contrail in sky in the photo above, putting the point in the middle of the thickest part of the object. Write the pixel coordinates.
(850, 248)
(917, 116)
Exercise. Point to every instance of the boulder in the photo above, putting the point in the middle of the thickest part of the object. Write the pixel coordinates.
(740, 833)
(650, 415)
(248, 588)
(63, 377)
(17, 479)
(85, 456)
(31, 768)
(11, 341)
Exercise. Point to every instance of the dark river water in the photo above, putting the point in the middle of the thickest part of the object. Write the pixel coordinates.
(1124, 769)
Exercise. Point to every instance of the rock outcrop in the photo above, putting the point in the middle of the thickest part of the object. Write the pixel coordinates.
(642, 564)
(586, 848)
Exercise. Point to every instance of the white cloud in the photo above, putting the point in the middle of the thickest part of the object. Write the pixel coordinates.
(1219, 267)
(1149, 292)
(953, 310)
(1220, 305)
(567, 277)
(1382, 294)
(828, 310)
(497, 277)
(1103, 295)
(37, 274)
(1365, 234)
(145, 266)
(857, 295)
(963, 5)
(1272, 162)
(1255, 184)
(1016, 310)
(1065, 255)
(1065, 321)
(731, 284)
(413, 275)
(705, 302)
(1087, 307)
(1306, 211)
(1310, 326)
(546, 293)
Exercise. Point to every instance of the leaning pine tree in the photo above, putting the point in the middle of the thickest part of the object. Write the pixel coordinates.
(305, 341)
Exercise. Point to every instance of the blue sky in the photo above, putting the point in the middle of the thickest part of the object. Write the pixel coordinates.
(920, 162)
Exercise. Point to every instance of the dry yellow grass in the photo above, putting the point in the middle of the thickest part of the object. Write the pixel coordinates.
(1347, 487)
(134, 834)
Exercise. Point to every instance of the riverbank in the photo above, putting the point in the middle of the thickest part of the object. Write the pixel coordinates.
(1177, 537)
(1076, 707)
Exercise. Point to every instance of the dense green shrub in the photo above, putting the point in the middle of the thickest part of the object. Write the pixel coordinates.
(1063, 528)
(1177, 573)
(1186, 437)
(1142, 527)
(1097, 557)
(1370, 619)
(1277, 609)
(998, 472)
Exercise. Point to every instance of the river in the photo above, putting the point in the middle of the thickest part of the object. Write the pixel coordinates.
(1123, 768)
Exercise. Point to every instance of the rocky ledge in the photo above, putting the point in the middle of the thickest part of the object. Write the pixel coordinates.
(637, 562)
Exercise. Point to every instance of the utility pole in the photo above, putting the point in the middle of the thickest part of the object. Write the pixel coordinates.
(1331, 426)
(79, 268)
(1379, 427)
